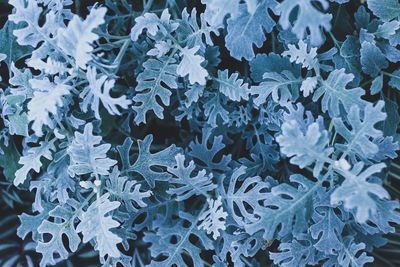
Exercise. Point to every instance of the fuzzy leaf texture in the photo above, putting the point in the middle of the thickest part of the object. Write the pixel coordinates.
(88, 155)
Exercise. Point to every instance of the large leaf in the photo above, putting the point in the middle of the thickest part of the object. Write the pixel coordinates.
(63, 225)
(88, 155)
(362, 132)
(357, 191)
(147, 162)
(186, 186)
(308, 18)
(156, 81)
(247, 29)
(174, 252)
(96, 225)
(9, 45)
(286, 209)
(77, 39)
(335, 94)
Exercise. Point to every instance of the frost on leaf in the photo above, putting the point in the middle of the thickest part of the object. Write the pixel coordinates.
(213, 219)
(96, 225)
(308, 86)
(385, 9)
(77, 39)
(242, 200)
(88, 155)
(98, 91)
(153, 25)
(372, 59)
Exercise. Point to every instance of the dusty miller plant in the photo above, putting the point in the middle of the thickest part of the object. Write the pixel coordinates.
(200, 133)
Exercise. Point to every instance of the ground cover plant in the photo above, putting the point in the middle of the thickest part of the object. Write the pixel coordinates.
(199, 133)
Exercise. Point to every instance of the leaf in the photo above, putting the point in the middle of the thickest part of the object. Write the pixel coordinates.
(147, 162)
(87, 155)
(98, 91)
(272, 62)
(349, 58)
(191, 65)
(96, 225)
(217, 10)
(232, 87)
(126, 191)
(174, 252)
(214, 109)
(151, 23)
(158, 77)
(194, 32)
(186, 186)
(334, 93)
(9, 160)
(296, 252)
(327, 227)
(308, 18)
(392, 121)
(9, 45)
(31, 160)
(356, 192)
(372, 59)
(205, 151)
(308, 86)
(305, 145)
(31, 223)
(360, 137)
(62, 226)
(387, 29)
(77, 39)
(385, 218)
(247, 29)
(385, 9)
(377, 85)
(213, 219)
(30, 13)
(50, 93)
(286, 209)
(350, 254)
(395, 79)
(282, 87)
(242, 200)
(301, 55)
(18, 119)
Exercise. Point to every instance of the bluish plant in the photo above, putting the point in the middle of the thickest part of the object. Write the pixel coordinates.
(200, 133)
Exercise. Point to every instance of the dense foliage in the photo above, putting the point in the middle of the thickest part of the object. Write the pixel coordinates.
(199, 133)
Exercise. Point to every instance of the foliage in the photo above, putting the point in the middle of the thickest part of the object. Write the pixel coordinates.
(199, 133)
